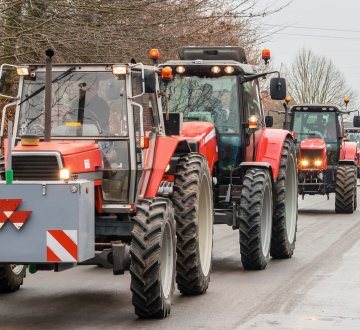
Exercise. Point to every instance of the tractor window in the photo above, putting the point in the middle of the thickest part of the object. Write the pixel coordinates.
(314, 124)
(213, 100)
(354, 136)
(149, 107)
(251, 99)
(82, 105)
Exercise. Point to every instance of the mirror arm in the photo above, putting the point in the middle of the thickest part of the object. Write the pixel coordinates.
(245, 79)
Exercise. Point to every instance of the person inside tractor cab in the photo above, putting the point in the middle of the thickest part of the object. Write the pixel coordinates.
(330, 131)
(96, 109)
(207, 102)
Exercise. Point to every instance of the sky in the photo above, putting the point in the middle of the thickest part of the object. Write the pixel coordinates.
(328, 27)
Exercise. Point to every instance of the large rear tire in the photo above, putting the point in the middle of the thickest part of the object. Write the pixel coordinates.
(285, 205)
(194, 217)
(153, 258)
(345, 192)
(11, 277)
(256, 212)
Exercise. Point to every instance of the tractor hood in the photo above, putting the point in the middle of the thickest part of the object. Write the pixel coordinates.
(197, 130)
(313, 144)
(65, 148)
(78, 157)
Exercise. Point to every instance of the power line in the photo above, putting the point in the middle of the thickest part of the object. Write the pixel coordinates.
(316, 36)
(312, 28)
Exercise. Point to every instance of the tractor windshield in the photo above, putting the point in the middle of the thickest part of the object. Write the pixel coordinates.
(321, 125)
(354, 136)
(209, 99)
(84, 104)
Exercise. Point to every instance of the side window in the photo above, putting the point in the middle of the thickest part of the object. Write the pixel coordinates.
(148, 103)
(252, 102)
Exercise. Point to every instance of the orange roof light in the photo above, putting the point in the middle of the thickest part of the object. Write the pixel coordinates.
(154, 54)
(266, 54)
(166, 73)
(288, 99)
(346, 100)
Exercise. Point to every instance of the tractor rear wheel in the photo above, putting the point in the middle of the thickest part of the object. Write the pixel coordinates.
(283, 235)
(11, 277)
(153, 258)
(194, 217)
(345, 191)
(256, 212)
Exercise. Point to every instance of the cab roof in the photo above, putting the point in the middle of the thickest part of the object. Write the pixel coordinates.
(315, 107)
(244, 68)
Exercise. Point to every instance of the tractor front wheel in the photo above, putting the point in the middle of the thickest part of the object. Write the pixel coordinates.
(286, 205)
(345, 191)
(11, 277)
(153, 258)
(256, 211)
(194, 217)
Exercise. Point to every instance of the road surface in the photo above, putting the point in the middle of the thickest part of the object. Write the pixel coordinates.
(319, 288)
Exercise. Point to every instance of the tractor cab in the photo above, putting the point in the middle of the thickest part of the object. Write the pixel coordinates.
(216, 85)
(318, 122)
(96, 111)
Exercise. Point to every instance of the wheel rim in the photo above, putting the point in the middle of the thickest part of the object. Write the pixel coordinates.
(266, 221)
(16, 269)
(167, 261)
(205, 226)
(291, 199)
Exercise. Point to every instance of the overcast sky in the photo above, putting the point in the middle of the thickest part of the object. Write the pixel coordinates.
(328, 27)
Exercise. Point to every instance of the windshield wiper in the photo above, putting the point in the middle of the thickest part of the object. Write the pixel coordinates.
(61, 76)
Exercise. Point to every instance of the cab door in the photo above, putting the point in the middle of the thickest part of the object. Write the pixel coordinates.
(252, 107)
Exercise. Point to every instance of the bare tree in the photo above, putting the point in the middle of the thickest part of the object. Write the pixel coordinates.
(116, 30)
(315, 79)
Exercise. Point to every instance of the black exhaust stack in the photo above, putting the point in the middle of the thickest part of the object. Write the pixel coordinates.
(48, 78)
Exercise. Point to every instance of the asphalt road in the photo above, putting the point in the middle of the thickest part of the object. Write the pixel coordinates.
(319, 288)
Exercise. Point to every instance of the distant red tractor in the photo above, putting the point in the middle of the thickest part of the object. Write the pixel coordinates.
(327, 161)
(353, 134)
(255, 173)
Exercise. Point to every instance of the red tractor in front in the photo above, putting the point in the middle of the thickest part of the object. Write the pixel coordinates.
(87, 182)
(255, 175)
(327, 161)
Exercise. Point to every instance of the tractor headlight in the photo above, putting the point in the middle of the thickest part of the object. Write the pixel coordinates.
(304, 163)
(318, 163)
(64, 174)
(23, 71)
(119, 70)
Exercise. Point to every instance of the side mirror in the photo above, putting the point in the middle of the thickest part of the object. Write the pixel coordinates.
(3, 75)
(269, 121)
(356, 121)
(278, 88)
(150, 81)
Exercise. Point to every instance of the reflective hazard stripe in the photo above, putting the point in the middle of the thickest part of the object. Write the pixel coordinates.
(210, 136)
(61, 246)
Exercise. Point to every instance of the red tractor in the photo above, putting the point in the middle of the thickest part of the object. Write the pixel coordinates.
(255, 174)
(327, 162)
(88, 182)
(353, 134)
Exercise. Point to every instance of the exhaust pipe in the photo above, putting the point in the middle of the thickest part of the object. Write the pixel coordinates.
(48, 82)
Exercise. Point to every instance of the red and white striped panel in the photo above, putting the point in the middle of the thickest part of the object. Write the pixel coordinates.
(8, 207)
(61, 246)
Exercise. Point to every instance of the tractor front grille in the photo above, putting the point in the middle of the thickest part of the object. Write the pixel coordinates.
(36, 167)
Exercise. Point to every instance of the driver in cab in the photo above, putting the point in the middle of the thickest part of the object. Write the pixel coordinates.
(96, 109)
